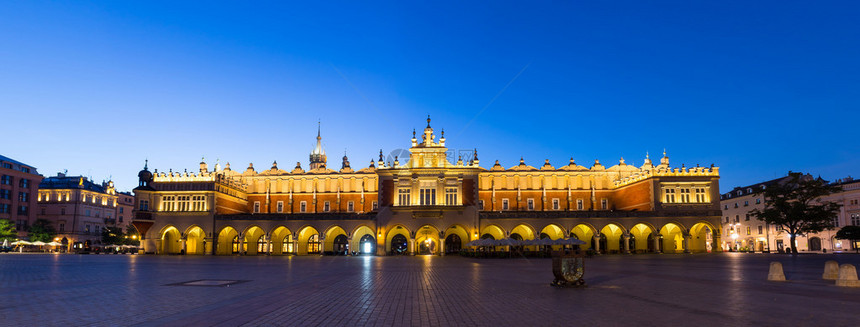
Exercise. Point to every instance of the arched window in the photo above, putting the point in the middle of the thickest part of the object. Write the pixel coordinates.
(314, 244)
(367, 244)
(288, 244)
(236, 244)
(262, 245)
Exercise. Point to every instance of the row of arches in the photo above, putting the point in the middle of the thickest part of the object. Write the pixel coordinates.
(428, 239)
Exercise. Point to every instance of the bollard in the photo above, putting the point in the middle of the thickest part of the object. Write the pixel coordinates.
(776, 273)
(847, 276)
(831, 270)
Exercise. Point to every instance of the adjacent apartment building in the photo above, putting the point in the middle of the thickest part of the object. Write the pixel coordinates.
(80, 209)
(742, 231)
(19, 183)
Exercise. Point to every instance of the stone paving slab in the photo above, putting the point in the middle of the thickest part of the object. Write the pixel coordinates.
(644, 290)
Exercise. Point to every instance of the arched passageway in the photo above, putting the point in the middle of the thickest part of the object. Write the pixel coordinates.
(195, 241)
(170, 241)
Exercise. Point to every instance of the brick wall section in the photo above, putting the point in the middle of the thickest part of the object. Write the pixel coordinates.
(636, 196)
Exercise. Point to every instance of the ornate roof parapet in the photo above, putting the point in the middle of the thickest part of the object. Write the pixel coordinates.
(298, 169)
(597, 166)
(250, 170)
(547, 166)
(497, 167)
(683, 171)
(522, 166)
(572, 166)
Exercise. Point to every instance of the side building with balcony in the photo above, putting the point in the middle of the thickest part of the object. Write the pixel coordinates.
(19, 184)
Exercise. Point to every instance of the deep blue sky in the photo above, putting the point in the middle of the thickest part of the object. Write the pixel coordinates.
(756, 87)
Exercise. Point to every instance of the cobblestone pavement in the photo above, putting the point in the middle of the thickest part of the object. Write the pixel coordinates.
(644, 290)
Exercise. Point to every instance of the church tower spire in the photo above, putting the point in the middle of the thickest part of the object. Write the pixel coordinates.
(318, 157)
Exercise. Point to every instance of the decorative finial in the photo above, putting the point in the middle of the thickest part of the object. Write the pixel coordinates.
(664, 152)
(146, 164)
(428, 121)
(474, 154)
(443, 133)
(319, 123)
(647, 156)
(522, 162)
(413, 133)
(571, 161)
(380, 154)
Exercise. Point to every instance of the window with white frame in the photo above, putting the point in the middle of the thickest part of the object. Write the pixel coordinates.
(580, 205)
(404, 197)
(505, 205)
(604, 204)
(530, 204)
(701, 195)
(670, 195)
(555, 205)
(428, 196)
(256, 206)
(480, 204)
(350, 206)
(374, 205)
(326, 206)
(855, 219)
(451, 196)
(280, 206)
(303, 206)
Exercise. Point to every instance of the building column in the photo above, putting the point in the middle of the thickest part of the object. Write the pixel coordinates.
(715, 243)
(686, 242)
(208, 245)
(268, 245)
(626, 238)
(411, 246)
(596, 239)
(183, 243)
(241, 244)
(658, 242)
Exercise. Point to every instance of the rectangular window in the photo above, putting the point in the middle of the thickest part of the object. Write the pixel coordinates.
(120, 209)
(326, 206)
(374, 206)
(404, 198)
(670, 195)
(747, 217)
(23, 210)
(6, 180)
(759, 229)
(87, 213)
(24, 183)
(23, 197)
(746, 203)
(555, 205)
(685, 195)
(480, 204)
(604, 204)
(350, 206)
(736, 204)
(256, 206)
(737, 218)
(505, 204)
(727, 207)
(120, 218)
(4, 208)
(580, 205)
(7, 165)
(748, 230)
(757, 201)
(428, 196)
(280, 206)
(855, 219)
(700, 195)
(62, 227)
(144, 205)
(451, 196)
(530, 204)
(62, 211)
(303, 207)
(6, 194)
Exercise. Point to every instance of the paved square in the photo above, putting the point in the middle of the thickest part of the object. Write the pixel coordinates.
(642, 290)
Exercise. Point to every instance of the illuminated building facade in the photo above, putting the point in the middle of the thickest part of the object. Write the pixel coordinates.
(79, 209)
(743, 232)
(426, 204)
(19, 183)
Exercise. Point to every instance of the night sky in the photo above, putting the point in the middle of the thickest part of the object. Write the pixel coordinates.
(757, 88)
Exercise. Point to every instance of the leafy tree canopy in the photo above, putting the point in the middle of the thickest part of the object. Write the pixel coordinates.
(795, 204)
(42, 230)
(7, 230)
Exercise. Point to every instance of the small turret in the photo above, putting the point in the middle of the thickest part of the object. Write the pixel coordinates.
(203, 167)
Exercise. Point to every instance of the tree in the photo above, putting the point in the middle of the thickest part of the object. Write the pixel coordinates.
(132, 237)
(7, 230)
(112, 235)
(795, 204)
(42, 230)
(851, 233)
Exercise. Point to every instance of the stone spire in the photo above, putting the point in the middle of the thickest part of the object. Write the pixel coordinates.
(318, 157)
